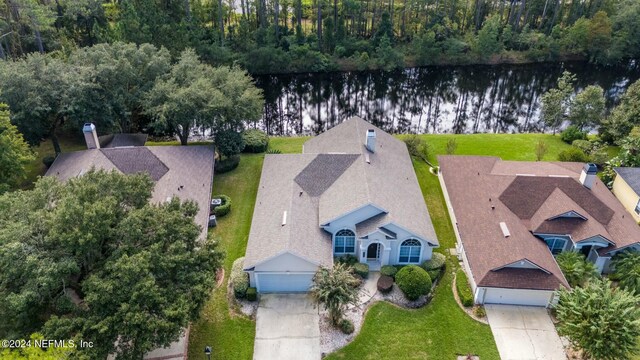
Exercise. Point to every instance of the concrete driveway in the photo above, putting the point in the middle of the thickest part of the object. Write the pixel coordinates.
(524, 333)
(287, 328)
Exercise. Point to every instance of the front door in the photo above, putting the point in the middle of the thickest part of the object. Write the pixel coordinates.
(373, 251)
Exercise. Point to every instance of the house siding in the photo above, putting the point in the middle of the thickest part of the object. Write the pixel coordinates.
(626, 195)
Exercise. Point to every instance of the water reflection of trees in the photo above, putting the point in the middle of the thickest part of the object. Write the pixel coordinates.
(424, 100)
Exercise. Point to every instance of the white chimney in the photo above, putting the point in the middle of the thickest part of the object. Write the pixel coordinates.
(90, 136)
(371, 140)
(588, 175)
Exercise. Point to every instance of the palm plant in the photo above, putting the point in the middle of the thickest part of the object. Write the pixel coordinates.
(336, 289)
(576, 269)
(627, 270)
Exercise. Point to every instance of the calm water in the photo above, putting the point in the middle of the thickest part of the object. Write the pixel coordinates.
(456, 99)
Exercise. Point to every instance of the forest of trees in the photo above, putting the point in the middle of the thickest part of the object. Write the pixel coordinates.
(268, 36)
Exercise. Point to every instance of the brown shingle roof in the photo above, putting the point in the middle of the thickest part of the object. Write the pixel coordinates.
(526, 195)
(513, 278)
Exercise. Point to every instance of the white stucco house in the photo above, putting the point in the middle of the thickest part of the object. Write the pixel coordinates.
(352, 191)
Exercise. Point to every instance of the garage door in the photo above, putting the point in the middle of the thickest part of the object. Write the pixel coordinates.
(283, 282)
(517, 297)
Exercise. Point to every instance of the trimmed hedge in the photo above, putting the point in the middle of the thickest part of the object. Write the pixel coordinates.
(227, 164)
(414, 281)
(252, 294)
(239, 279)
(437, 261)
(223, 209)
(389, 270)
(464, 290)
(385, 284)
(361, 270)
(346, 326)
(255, 141)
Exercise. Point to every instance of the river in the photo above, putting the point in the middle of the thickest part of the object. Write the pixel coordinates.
(438, 99)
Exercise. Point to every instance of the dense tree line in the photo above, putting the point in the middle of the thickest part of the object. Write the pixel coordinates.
(317, 35)
(125, 88)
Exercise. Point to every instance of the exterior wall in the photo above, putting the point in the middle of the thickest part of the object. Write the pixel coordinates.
(627, 196)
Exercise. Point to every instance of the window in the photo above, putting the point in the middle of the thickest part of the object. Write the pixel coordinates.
(345, 242)
(556, 245)
(638, 208)
(410, 251)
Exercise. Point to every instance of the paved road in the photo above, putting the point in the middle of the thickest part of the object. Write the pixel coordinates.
(524, 333)
(287, 328)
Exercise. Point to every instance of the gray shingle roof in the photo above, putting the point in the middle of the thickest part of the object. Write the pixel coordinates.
(323, 171)
(631, 176)
(122, 140)
(330, 179)
(188, 175)
(136, 160)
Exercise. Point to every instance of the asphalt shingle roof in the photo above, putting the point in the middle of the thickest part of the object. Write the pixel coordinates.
(631, 176)
(331, 178)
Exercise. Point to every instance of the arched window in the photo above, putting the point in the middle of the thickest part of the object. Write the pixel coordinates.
(410, 251)
(345, 242)
(556, 245)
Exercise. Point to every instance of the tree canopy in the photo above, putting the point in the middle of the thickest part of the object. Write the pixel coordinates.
(91, 259)
(14, 152)
(602, 321)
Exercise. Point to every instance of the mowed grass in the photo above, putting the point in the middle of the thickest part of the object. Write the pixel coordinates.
(231, 337)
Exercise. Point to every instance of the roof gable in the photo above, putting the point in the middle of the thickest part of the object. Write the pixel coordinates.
(526, 194)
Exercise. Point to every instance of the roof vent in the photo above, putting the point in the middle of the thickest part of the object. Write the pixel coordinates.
(284, 218)
(370, 141)
(505, 229)
(367, 158)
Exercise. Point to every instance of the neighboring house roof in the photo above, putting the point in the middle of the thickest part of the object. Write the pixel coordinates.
(122, 140)
(330, 179)
(630, 175)
(182, 171)
(528, 197)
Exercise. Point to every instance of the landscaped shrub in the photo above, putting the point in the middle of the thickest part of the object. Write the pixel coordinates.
(48, 161)
(479, 311)
(361, 270)
(255, 141)
(464, 290)
(413, 281)
(388, 270)
(576, 268)
(226, 164)
(435, 274)
(346, 326)
(572, 133)
(573, 154)
(436, 262)
(584, 145)
(239, 279)
(223, 209)
(385, 284)
(252, 294)
(347, 259)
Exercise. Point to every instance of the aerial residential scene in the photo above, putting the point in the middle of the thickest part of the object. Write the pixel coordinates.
(312, 179)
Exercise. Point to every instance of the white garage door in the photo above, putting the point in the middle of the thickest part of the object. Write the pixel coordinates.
(283, 282)
(517, 297)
